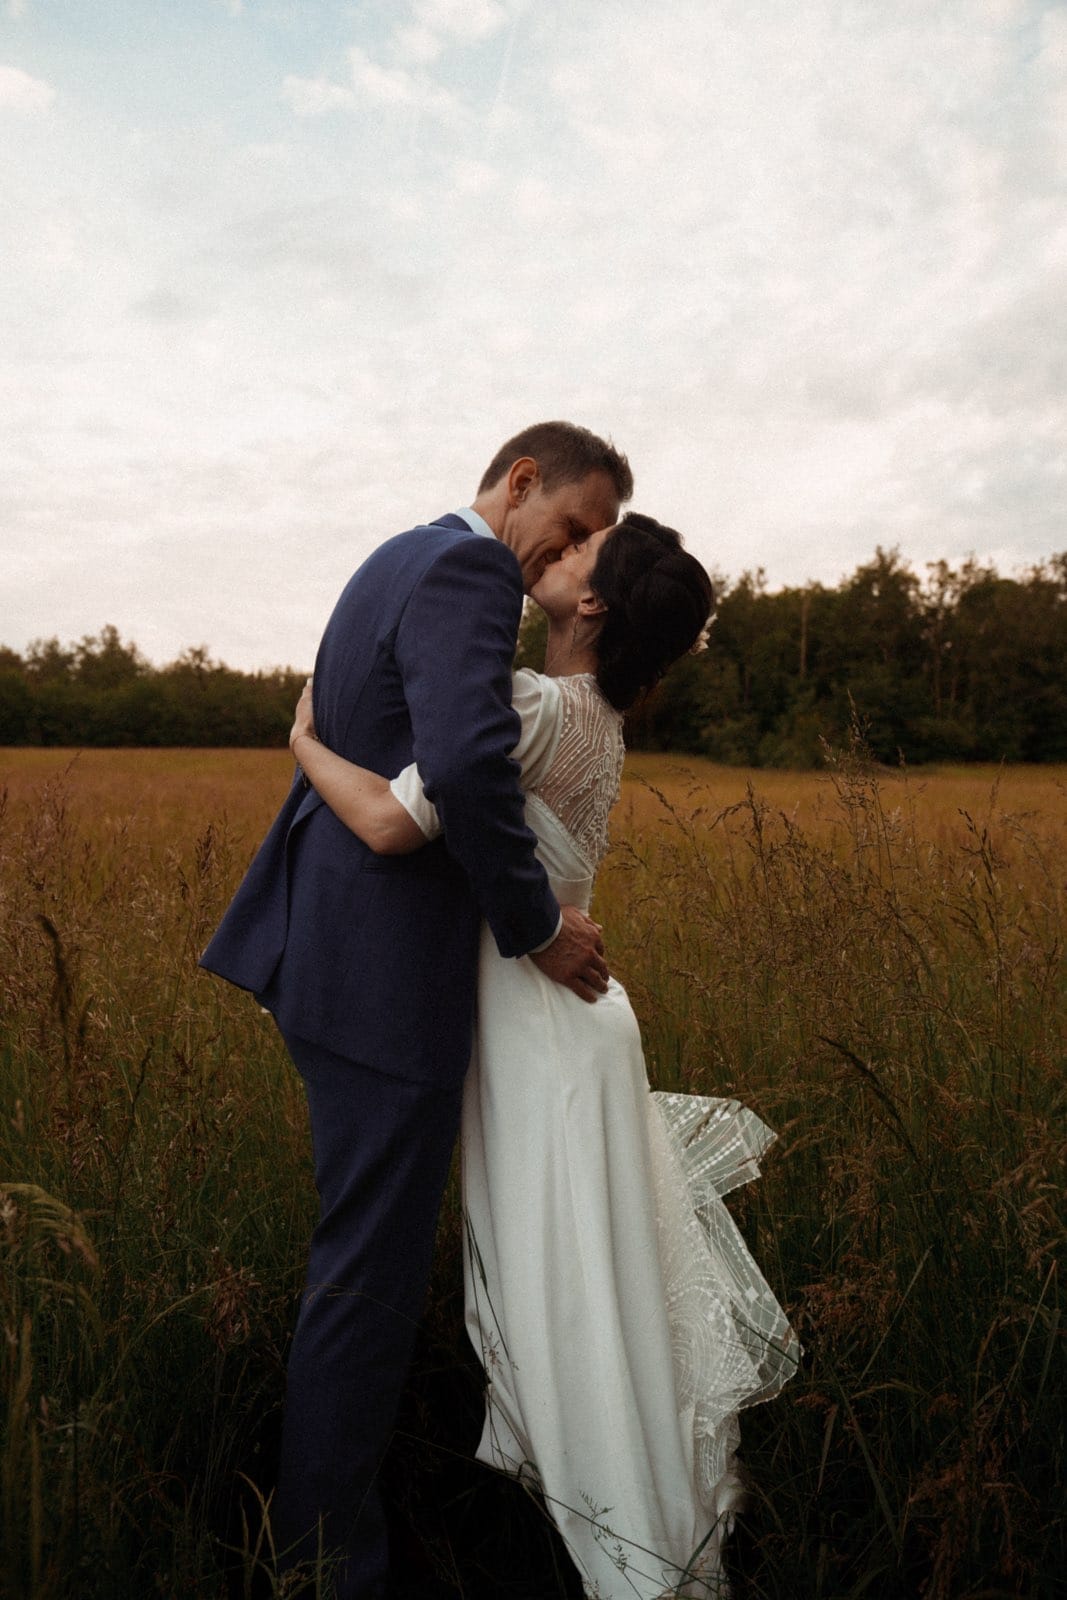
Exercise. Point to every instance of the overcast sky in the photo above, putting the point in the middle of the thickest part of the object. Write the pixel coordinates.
(278, 276)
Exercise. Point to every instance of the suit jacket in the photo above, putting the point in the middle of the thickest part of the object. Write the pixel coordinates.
(374, 957)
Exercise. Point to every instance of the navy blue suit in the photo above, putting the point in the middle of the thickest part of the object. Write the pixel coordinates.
(368, 965)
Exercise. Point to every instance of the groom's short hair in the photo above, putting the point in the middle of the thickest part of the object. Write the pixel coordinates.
(564, 453)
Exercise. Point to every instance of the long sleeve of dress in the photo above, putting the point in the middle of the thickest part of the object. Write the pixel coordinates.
(537, 701)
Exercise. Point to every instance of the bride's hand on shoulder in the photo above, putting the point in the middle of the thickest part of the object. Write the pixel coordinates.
(303, 719)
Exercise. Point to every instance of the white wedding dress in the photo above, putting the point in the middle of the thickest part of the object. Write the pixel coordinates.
(620, 1319)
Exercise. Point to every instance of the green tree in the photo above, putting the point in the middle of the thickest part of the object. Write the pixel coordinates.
(965, 665)
(1011, 673)
(17, 720)
(103, 662)
(48, 662)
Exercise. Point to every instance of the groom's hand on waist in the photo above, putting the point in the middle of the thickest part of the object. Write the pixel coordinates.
(575, 956)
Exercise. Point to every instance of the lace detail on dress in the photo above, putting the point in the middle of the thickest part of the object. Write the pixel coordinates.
(733, 1346)
(582, 782)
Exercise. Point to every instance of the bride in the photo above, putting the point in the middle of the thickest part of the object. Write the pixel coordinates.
(620, 1320)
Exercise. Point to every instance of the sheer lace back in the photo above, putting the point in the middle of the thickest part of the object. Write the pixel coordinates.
(582, 781)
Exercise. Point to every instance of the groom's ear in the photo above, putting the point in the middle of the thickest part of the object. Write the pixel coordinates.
(523, 474)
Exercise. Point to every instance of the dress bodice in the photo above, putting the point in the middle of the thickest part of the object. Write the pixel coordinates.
(581, 782)
(571, 752)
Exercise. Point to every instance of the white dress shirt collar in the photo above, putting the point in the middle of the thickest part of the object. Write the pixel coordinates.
(475, 523)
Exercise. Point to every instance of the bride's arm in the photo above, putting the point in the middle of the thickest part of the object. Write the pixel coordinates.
(359, 798)
(396, 818)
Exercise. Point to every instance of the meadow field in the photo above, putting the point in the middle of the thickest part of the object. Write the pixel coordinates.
(873, 960)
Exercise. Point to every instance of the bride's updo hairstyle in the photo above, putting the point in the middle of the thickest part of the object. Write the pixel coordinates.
(658, 600)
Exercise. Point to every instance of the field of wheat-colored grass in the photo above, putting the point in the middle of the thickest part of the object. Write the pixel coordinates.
(874, 961)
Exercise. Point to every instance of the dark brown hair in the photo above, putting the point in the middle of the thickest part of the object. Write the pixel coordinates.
(564, 453)
(658, 599)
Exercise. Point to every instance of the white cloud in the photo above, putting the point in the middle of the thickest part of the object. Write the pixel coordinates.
(316, 97)
(417, 45)
(21, 93)
(466, 20)
(438, 26)
(396, 87)
(474, 177)
(805, 264)
(372, 85)
(390, 86)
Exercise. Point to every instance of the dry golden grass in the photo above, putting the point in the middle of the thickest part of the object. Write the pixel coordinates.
(873, 960)
(183, 790)
(937, 795)
(175, 792)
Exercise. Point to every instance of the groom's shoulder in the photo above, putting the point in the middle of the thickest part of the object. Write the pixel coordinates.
(435, 570)
(428, 544)
(424, 541)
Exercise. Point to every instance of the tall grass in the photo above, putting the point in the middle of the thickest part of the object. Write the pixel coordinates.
(884, 983)
(875, 963)
(155, 1202)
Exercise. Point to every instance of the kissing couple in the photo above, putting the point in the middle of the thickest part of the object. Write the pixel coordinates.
(417, 922)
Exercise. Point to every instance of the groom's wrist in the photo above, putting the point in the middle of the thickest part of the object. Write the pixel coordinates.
(536, 951)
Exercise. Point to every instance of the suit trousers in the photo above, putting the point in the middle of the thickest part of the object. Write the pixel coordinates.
(382, 1147)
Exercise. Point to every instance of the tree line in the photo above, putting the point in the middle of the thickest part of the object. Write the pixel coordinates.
(961, 665)
(102, 691)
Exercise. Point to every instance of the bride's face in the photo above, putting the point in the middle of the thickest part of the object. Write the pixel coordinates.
(566, 581)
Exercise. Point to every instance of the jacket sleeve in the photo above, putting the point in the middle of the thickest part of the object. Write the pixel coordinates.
(536, 700)
(454, 647)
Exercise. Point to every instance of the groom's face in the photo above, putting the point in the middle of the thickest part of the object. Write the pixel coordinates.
(562, 585)
(546, 522)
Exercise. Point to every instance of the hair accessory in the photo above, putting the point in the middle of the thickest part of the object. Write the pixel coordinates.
(701, 643)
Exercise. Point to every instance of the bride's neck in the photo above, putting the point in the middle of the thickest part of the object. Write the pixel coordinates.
(569, 649)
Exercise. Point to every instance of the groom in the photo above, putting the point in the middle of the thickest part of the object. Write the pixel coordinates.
(368, 963)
